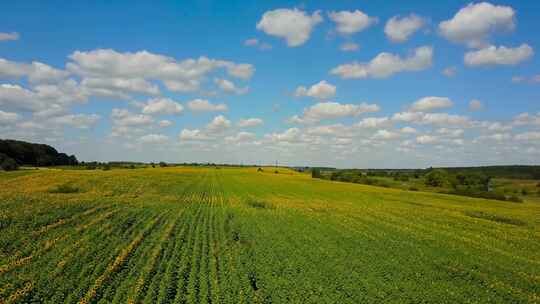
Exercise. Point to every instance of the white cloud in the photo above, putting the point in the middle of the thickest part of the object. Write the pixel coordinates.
(349, 47)
(123, 117)
(293, 25)
(9, 36)
(251, 42)
(431, 118)
(80, 121)
(407, 130)
(321, 90)
(501, 55)
(118, 87)
(450, 132)
(165, 123)
(385, 65)
(218, 124)
(36, 72)
(450, 71)
(163, 106)
(256, 43)
(524, 119)
(42, 97)
(426, 139)
(249, 122)
(399, 29)
(7, 118)
(474, 23)
(203, 105)
(430, 103)
(291, 135)
(527, 136)
(524, 79)
(373, 122)
(153, 139)
(332, 110)
(241, 137)
(229, 87)
(193, 135)
(179, 76)
(386, 135)
(351, 22)
(475, 105)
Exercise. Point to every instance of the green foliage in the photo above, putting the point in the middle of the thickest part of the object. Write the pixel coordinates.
(315, 173)
(25, 153)
(495, 218)
(7, 163)
(436, 178)
(64, 188)
(200, 235)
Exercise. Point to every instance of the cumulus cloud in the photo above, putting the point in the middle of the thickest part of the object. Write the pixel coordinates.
(179, 76)
(41, 97)
(474, 24)
(229, 87)
(349, 47)
(203, 105)
(321, 90)
(80, 121)
(218, 124)
(291, 135)
(475, 105)
(163, 106)
(399, 29)
(7, 118)
(386, 135)
(193, 135)
(36, 72)
(154, 139)
(373, 122)
(294, 25)
(241, 137)
(407, 130)
(165, 123)
(501, 55)
(426, 139)
(350, 22)
(123, 117)
(333, 110)
(386, 64)
(527, 136)
(256, 43)
(9, 36)
(523, 79)
(249, 122)
(431, 118)
(430, 103)
(450, 71)
(118, 87)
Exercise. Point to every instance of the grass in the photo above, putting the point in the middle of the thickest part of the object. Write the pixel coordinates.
(64, 188)
(201, 235)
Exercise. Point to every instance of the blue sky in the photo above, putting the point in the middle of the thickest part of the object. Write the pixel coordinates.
(427, 83)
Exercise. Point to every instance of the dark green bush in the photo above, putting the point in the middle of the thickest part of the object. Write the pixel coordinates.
(65, 188)
(515, 199)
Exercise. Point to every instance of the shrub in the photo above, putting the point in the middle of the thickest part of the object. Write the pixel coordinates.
(515, 199)
(315, 173)
(106, 167)
(162, 164)
(436, 178)
(413, 189)
(524, 192)
(260, 170)
(276, 171)
(64, 188)
(8, 163)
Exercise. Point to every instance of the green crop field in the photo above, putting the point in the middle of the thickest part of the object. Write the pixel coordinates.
(206, 235)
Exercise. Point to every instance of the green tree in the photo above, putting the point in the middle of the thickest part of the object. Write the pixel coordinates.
(316, 173)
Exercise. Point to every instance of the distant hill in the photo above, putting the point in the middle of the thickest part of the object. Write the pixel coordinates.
(31, 154)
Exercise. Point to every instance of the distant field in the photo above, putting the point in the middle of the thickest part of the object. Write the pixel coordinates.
(205, 235)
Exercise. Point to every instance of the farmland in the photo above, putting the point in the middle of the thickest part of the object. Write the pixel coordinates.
(235, 235)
